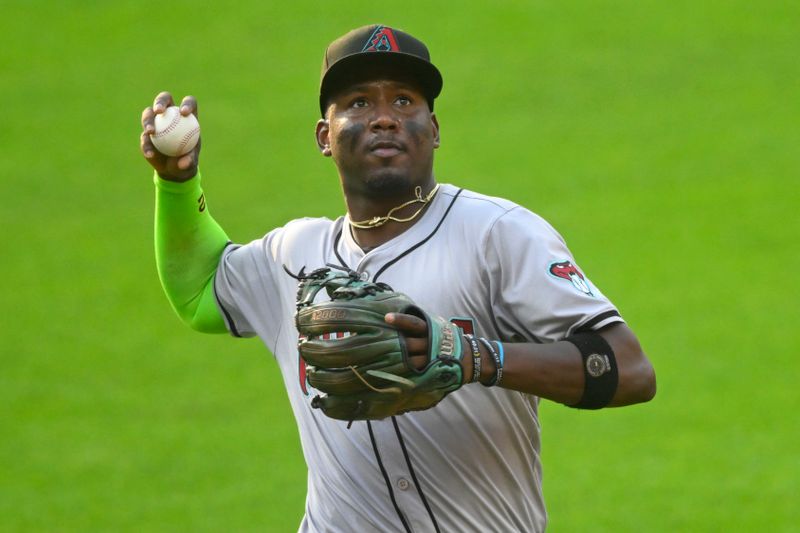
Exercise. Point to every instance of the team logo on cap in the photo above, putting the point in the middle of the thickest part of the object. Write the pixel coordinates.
(381, 40)
(566, 270)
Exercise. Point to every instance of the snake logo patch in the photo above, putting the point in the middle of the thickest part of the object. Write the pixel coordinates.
(567, 271)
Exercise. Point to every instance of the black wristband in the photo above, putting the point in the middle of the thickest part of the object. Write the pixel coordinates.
(498, 365)
(599, 370)
(476, 358)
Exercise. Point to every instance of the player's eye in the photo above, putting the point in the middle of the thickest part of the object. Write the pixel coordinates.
(359, 102)
(403, 100)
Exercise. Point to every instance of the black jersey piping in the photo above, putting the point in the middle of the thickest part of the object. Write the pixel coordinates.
(386, 478)
(375, 451)
(396, 427)
(414, 475)
(590, 324)
(228, 317)
(336, 249)
(420, 243)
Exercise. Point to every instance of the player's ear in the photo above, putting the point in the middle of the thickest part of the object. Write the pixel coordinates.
(435, 124)
(324, 137)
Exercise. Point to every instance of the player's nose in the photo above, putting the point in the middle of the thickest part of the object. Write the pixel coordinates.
(384, 117)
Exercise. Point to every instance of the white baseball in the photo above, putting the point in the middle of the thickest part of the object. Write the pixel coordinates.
(175, 134)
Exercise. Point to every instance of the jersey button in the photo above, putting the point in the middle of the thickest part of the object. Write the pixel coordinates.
(364, 276)
(402, 483)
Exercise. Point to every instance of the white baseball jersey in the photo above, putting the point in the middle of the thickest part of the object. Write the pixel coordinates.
(472, 462)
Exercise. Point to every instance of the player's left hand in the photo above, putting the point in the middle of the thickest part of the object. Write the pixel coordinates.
(371, 351)
(415, 332)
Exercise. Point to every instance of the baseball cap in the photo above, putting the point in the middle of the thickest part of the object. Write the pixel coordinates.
(373, 47)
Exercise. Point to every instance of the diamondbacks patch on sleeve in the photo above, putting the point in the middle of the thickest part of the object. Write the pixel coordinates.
(566, 271)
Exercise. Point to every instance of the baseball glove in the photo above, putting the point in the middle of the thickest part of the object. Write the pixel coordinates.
(360, 362)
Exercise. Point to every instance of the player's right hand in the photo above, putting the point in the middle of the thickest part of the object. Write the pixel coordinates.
(180, 168)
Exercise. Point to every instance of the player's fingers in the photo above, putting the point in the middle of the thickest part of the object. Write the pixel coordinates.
(148, 117)
(186, 161)
(409, 324)
(146, 145)
(163, 100)
(419, 361)
(417, 345)
(189, 106)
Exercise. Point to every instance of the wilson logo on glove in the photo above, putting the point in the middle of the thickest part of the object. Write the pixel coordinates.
(448, 342)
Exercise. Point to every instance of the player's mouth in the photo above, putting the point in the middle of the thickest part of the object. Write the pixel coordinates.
(385, 149)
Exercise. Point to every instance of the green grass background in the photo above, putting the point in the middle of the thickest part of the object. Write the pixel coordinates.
(660, 138)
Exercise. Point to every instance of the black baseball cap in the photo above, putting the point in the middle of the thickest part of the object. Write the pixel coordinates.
(374, 47)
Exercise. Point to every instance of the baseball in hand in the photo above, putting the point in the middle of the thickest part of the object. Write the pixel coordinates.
(175, 134)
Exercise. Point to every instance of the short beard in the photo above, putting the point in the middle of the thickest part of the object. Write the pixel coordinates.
(388, 185)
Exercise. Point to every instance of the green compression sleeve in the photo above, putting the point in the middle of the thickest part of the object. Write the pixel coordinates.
(189, 244)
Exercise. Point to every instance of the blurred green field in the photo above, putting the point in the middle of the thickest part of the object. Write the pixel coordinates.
(660, 138)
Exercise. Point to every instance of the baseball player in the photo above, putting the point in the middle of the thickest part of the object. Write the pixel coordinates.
(496, 312)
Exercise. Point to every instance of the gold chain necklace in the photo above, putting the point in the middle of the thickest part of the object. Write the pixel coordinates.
(376, 222)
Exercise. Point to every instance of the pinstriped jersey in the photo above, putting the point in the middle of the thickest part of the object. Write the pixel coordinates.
(471, 463)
